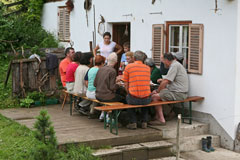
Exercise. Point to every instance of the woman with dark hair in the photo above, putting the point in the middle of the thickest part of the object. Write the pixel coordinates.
(79, 85)
(71, 68)
(107, 46)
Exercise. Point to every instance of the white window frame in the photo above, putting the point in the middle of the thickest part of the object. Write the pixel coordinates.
(180, 47)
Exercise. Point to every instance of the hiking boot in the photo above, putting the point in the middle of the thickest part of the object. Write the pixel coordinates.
(144, 125)
(209, 143)
(132, 126)
(204, 145)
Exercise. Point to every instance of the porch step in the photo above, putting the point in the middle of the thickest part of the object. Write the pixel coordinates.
(168, 158)
(140, 151)
(170, 129)
(193, 143)
(218, 154)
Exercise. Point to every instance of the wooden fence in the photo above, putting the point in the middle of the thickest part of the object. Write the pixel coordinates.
(30, 75)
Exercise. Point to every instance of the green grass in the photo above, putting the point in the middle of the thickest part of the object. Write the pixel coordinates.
(16, 141)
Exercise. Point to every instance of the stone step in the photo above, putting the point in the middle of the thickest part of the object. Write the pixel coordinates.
(193, 143)
(218, 154)
(170, 129)
(140, 151)
(167, 158)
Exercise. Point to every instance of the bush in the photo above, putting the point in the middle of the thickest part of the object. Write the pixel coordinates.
(45, 133)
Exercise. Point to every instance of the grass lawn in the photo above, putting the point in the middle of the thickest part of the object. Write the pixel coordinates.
(16, 141)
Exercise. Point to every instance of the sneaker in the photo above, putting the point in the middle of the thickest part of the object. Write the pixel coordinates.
(132, 126)
(144, 125)
(83, 111)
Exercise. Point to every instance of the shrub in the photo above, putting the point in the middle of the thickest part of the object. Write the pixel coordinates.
(45, 133)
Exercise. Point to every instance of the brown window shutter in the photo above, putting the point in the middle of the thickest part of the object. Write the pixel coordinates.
(63, 24)
(67, 25)
(195, 51)
(157, 42)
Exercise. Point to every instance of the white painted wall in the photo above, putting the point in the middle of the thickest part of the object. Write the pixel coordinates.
(237, 72)
(220, 76)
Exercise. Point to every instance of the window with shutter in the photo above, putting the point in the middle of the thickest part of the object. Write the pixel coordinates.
(195, 51)
(157, 42)
(63, 24)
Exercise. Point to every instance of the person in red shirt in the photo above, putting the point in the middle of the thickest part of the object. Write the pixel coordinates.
(71, 68)
(69, 52)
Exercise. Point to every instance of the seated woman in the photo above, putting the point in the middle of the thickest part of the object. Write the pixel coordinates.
(105, 82)
(79, 86)
(71, 68)
(155, 72)
(99, 62)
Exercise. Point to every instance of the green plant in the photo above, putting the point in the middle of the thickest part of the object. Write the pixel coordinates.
(26, 102)
(45, 133)
(37, 96)
(80, 152)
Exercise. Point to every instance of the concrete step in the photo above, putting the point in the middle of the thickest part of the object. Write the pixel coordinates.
(218, 154)
(193, 143)
(170, 129)
(140, 151)
(168, 158)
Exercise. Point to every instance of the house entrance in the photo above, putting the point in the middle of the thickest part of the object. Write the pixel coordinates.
(120, 34)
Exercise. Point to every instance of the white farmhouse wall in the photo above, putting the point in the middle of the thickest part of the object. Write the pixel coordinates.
(237, 80)
(218, 81)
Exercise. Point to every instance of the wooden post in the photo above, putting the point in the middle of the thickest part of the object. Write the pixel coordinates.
(178, 137)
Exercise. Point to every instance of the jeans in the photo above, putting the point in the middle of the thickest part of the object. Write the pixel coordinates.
(132, 112)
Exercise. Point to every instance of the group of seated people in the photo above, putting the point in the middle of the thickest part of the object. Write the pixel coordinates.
(101, 81)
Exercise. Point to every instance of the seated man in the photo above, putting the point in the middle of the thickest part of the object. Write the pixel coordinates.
(155, 72)
(172, 88)
(136, 79)
(69, 53)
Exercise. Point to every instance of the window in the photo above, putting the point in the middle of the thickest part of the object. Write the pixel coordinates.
(178, 40)
(63, 24)
(181, 36)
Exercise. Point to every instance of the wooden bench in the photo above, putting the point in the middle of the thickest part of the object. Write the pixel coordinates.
(73, 96)
(115, 110)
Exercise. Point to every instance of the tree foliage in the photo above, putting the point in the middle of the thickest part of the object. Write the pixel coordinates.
(24, 30)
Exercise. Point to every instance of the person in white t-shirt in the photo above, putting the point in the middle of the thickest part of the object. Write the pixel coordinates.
(107, 46)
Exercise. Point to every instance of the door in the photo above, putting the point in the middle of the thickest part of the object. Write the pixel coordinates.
(120, 34)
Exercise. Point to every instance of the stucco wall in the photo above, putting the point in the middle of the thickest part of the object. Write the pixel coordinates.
(216, 84)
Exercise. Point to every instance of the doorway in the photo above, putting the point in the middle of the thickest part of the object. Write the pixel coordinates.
(120, 34)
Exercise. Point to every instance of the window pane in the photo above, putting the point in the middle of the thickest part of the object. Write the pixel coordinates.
(174, 49)
(185, 36)
(174, 39)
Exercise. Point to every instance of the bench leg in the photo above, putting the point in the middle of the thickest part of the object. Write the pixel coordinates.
(190, 112)
(116, 121)
(183, 115)
(111, 121)
(64, 100)
(71, 103)
(105, 120)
